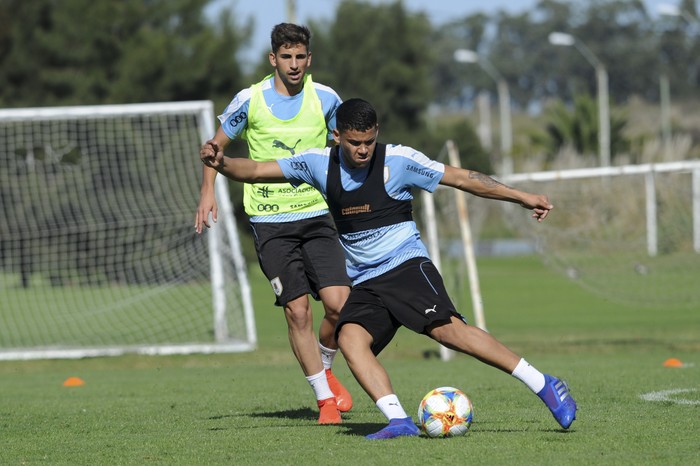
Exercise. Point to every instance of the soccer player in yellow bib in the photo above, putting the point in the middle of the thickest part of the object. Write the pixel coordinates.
(295, 238)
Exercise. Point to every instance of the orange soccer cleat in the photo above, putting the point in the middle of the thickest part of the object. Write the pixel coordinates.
(342, 396)
(329, 413)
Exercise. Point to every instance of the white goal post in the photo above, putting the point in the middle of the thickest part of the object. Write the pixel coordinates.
(98, 252)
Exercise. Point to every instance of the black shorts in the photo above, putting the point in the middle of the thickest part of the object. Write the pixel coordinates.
(411, 295)
(300, 257)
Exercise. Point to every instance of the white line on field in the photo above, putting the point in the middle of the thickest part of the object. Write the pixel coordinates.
(666, 395)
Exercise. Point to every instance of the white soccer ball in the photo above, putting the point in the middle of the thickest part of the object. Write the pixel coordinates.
(445, 412)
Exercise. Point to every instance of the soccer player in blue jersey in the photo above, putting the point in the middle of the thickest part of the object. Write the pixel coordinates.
(295, 239)
(368, 188)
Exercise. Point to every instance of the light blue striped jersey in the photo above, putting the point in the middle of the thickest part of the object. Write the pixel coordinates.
(373, 252)
(234, 120)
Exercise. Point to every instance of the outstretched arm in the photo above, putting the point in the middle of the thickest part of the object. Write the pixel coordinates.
(240, 169)
(484, 186)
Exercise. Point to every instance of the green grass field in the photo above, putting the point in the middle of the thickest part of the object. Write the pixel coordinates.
(256, 408)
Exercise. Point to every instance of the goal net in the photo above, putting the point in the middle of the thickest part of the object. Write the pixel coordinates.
(630, 234)
(98, 253)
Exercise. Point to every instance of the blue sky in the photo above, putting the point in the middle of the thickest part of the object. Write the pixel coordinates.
(267, 13)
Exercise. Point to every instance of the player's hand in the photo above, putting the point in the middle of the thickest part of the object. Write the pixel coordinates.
(539, 204)
(207, 204)
(212, 155)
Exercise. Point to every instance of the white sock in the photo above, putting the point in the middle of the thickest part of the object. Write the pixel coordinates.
(390, 406)
(528, 375)
(320, 385)
(327, 356)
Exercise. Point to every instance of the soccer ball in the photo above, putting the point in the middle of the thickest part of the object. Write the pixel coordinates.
(445, 412)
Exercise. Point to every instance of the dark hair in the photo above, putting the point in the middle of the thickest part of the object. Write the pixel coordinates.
(288, 34)
(355, 114)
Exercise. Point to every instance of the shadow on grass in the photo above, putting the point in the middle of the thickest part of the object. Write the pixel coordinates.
(299, 413)
(363, 429)
(348, 428)
(302, 413)
(360, 430)
(308, 414)
(354, 429)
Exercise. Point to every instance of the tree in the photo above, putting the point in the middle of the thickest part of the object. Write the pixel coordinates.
(382, 54)
(578, 128)
(626, 38)
(117, 52)
(72, 52)
(679, 45)
(452, 82)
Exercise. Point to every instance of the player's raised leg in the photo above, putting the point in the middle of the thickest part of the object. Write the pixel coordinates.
(465, 338)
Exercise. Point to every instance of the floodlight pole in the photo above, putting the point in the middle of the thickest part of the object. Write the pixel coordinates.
(469, 56)
(601, 74)
(292, 11)
(665, 97)
(669, 9)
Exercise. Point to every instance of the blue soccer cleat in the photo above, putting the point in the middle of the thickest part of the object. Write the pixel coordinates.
(558, 399)
(400, 427)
